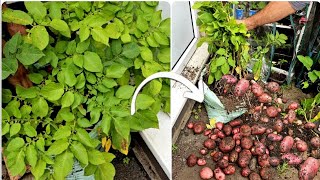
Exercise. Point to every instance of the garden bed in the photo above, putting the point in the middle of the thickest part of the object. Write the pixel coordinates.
(189, 143)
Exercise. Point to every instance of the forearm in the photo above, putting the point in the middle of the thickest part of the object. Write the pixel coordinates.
(273, 12)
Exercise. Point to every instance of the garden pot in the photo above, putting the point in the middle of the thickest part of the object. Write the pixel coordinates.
(252, 12)
(279, 75)
(239, 13)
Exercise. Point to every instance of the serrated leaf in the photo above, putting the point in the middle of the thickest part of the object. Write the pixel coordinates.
(63, 165)
(58, 147)
(14, 129)
(80, 152)
(40, 107)
(39, 36)
(32, 155)
(15, 144)
(62, 132)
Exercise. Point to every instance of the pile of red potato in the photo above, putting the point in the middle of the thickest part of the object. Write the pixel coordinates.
(266, 143)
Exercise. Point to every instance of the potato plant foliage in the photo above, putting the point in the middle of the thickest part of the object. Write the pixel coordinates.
(85, 60)
(226, 39)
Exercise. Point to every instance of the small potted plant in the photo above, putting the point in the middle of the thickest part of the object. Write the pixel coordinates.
(255, 7)
(240, 10)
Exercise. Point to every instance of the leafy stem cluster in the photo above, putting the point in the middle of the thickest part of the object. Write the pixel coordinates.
(85, 60)
(307, 108)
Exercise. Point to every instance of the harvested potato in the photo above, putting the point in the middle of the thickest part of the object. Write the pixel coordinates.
(286, 144)
(241, 87)
(192, 160)
(309, 169)
(227, 144)
(206, 173)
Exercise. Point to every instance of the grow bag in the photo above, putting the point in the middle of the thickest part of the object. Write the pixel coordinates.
(215, 108)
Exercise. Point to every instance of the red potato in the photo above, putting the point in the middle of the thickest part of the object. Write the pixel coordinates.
(254, 176)
(245, 172)
(291, 116)
(278, 125)
(233, 157)
(227, 144)
(238, 149)
(206, 173)
(244, 158)
(263, 160)
(256, 89)
(209, 144)
(291, 159)
(214, 136)
(204, 151)
(237, 136)
(273, 87)
(315, 153)
(199, 127)
(230, 169)
(258, 130)
(235, 122)
(301, 146)
(226, 157)
(192, 160)
(245, 130)
(265, 98)
(219, 174)
(222, 163)
(238, 142)
(285, 121)
(310, 125)
(274, 137)
(207, 132)
(221, 134)
(190, 125)
(269, 130)
(257, 108)
(235, 130)
(293, 106)
(15, 28)
(266, 173)
(264, 119)
(217, 156)
(219, 125)
(241, 87)
(286, 144)
(229, 79)
(309, 169)
(215, 131)
(201, 162)
(227, 129)
(246, 142)
(274, 161)
(253, 164)
(279, 110)
(279, 101)
(259, 149)
(271, 147)
(315, 142)
(272, 111)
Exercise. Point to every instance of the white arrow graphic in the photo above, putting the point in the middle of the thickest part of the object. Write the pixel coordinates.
(195, 93)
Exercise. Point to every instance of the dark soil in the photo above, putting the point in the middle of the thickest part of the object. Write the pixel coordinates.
(189, 143)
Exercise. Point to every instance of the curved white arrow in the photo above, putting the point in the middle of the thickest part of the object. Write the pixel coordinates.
(195, 94)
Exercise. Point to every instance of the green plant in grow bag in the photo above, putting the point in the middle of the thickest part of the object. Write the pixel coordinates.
(313, 75)
(97, 53)
(307, 107)
(226, 39)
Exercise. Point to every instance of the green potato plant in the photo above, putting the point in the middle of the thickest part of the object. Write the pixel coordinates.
(85, 60)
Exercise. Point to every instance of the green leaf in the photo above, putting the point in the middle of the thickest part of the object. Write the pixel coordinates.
(164, 55)
(312, 76)
(69, 77)
(61, 26)
(161, 38)
(12, 45)
(154, 87)
(225, 68)
(80, 152)
(63, 165)
(83, 46)
(78, 60)
(40, 107)
(156, 19)
(113, 31)
(71, 48)
(109, 83)
(13, 109)
(6, 94)
(116, 47)
(122, 126)
(115, 71)
(231, 62)
(105, 124)
(142, 24)
(15, 144)
(67, 99)
(152, 42)
(32, 155)
(55, 10)
(5, 128)
(131, 50)
(105, 171)
(146, 54)
(52, 91)
(221, 51)
(29, 54)
(83, 122)
(29, 130)
(26, 92)
(95, 115)
(5, 115)
(90, 169)
(92, 62)
(125, 38)
(144, 101)
(100, 35)
(58, 147)
(143, 119)
(84, 138)
(95, 157)
(40, 37)
(165, 26)
(40, 144)
(125, 92)
(25, 111)
(81, 81)
(9, 67)
(16, 16)
(36, 9)
(138, 62)
(14, 129)
(62, 132)
(38, 170)
(18, 167)
(84, 33)
(220, 61)
(36, 78)
(66, 115)
(306, 61)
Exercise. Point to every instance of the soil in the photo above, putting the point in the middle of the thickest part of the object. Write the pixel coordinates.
(189, 143)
